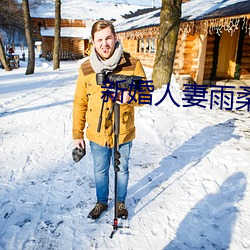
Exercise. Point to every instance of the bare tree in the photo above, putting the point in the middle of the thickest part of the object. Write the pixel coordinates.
(28, 33)
(168, 34)
(36, 3)
(11, 24)
(56, 59)
(11, 16)
(3, 57)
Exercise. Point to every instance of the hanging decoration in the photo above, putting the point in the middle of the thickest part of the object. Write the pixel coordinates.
(148, 32)
(218, 25)
(246, 25)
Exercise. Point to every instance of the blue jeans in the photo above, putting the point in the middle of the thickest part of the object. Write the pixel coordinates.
(102, 157)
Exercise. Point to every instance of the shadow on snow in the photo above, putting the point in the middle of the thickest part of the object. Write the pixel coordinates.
(209, 225)
(190, 152)
(23, 110)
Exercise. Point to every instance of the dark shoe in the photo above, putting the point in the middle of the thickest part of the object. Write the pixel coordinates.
(122, 211)
(97, 210)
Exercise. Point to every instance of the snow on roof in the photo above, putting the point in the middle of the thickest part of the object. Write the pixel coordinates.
(85, 10)
(197, 9)
(80, 32)
(192, 10)
(145, 20)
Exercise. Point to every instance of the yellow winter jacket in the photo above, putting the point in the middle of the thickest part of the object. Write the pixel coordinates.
(88, 101)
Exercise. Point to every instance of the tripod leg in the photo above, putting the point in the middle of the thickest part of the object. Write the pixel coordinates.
(116, 161)
(100, 117)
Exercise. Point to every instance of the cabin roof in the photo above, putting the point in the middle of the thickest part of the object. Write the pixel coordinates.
(140, 21)
(85, 10)
(193, 10)
(208, 9)
(77, 32)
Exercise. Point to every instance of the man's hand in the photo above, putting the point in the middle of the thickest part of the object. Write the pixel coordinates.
(125, 96)
(79, 151)
(79, 143)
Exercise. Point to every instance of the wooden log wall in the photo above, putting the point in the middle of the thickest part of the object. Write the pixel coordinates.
(47, 45)
(73, 45)
(187, 55)
(245, 60)
(185, 62)
(79, 46)
(50, 22)
(66, 44)
(131, 46)
(209, 57)
(146, 59)
(178, 61)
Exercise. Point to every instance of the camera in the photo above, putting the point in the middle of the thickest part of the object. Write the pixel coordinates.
(78, 153)
(120, 81)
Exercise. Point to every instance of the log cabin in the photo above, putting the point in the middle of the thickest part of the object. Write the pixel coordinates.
(213, 41)
(74, 37)
(77, 19)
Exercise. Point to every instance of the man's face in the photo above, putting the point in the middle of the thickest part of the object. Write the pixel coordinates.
(104, 42)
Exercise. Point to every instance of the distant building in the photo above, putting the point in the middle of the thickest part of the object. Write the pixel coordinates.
(74, 37)
(77, 19)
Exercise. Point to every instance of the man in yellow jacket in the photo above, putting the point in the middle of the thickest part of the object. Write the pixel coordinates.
(107, 54)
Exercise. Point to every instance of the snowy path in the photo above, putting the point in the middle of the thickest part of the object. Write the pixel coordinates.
(188, 184)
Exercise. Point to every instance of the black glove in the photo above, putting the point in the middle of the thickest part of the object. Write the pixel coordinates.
(78, 153)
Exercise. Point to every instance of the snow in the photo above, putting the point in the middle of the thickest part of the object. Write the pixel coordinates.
(86, 10)
(197, 9)
(145, 20)
(156, 3)
(192, 10)
(189, 172)
(84, 33)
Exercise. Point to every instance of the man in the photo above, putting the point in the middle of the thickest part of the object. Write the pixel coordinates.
(107, 54)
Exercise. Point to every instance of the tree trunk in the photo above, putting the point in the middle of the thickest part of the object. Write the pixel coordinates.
(168, 34)
(56, 59)
(3, 57)
(28, 33)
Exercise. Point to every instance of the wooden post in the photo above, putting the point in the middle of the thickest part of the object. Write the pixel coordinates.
(201, 59)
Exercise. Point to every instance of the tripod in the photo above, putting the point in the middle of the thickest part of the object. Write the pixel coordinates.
(116, 129)
(117, 156)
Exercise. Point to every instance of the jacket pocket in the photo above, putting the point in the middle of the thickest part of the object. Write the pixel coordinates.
(126, 119)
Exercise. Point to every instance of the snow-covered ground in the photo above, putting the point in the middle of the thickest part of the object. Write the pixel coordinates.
(189, 172)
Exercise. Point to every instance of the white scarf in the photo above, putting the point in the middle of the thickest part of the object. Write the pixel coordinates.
(98, 64)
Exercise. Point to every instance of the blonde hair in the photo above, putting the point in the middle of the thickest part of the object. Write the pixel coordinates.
(101, 24)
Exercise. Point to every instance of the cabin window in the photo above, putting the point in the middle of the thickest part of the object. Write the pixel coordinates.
(146, 45)
(140, 45)
(152, 45)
